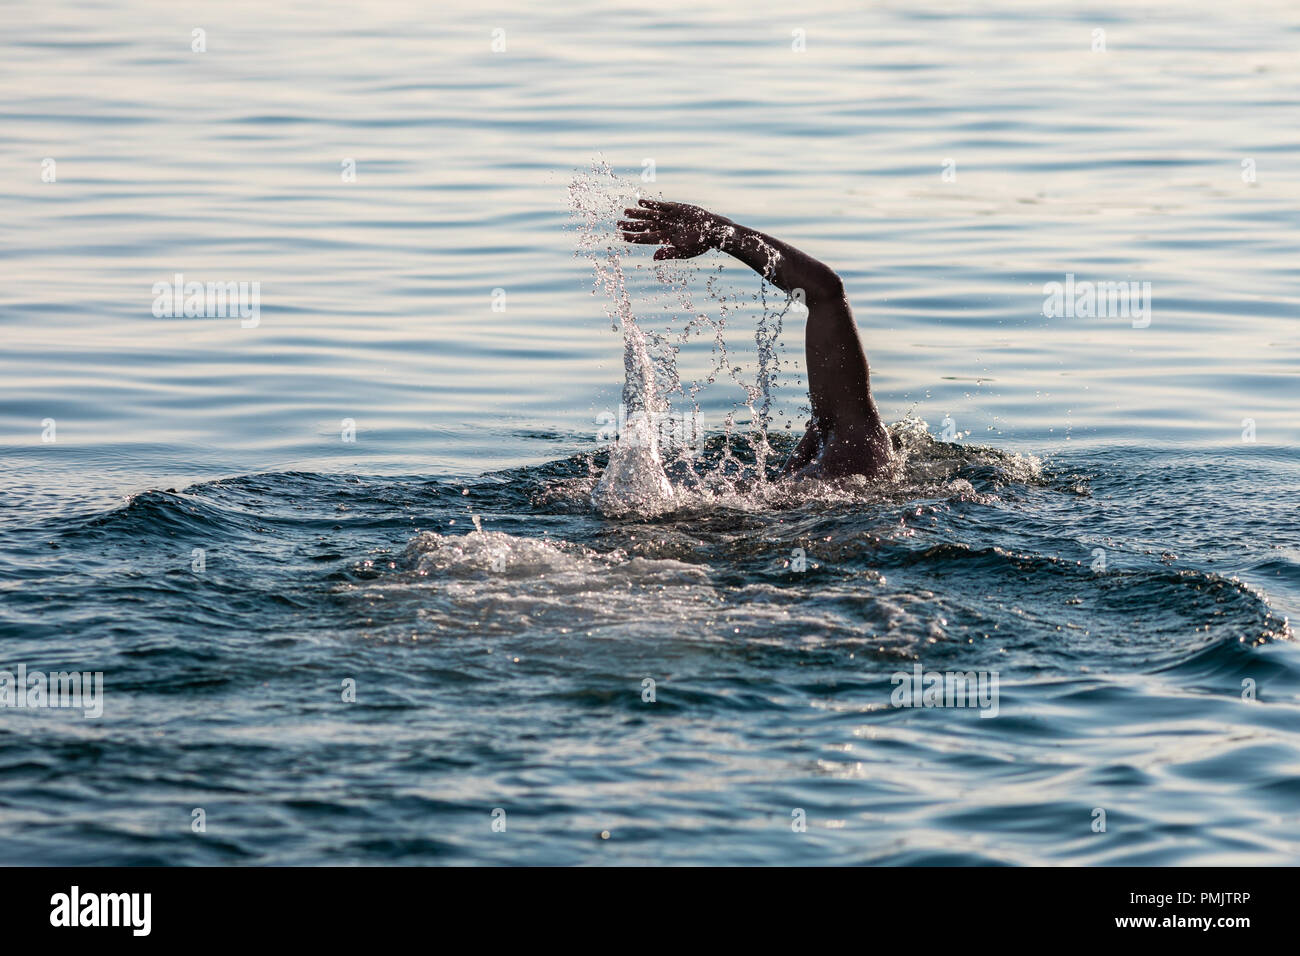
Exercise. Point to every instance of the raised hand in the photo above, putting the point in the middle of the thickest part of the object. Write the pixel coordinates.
(683, 231)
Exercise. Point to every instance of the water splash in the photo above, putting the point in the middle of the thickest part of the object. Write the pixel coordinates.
(655, 439)
(635, 479)
(658, 462)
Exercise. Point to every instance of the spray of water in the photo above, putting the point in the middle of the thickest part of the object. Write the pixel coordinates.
(660, 428)
(634, 480)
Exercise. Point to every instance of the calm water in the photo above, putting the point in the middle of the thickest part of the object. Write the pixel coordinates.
(504, 667)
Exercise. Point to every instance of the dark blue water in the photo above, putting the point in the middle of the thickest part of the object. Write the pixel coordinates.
(1101, 528)
(520, 688)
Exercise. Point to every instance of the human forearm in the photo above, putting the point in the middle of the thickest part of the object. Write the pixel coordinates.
(780, 263)
(684, 231)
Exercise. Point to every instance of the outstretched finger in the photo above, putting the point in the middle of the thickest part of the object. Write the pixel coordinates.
(636, 225)
(643, 237)
(640, 214)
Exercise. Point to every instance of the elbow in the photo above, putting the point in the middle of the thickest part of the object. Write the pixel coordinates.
(825, 287)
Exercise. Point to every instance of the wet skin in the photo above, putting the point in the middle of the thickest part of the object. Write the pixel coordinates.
(846, 435)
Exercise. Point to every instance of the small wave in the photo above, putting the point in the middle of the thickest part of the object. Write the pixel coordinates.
(867, 584)
(156, 513)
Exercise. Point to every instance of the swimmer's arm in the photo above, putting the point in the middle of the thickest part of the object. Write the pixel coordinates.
(781, 264)
(838, 377)
(686, 231)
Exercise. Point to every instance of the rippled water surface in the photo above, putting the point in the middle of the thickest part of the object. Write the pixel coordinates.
(1104, 515)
